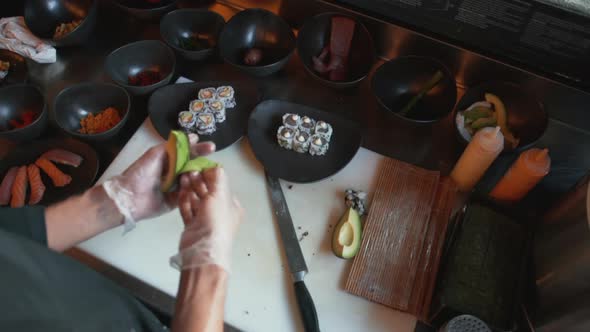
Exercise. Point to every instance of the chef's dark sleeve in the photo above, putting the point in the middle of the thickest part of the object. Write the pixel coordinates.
(28, 222)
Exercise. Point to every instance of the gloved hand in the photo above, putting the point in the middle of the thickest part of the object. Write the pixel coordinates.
(136, 192)
(211, 216)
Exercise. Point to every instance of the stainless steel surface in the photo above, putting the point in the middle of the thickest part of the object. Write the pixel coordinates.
(295, 258)
(562, 263)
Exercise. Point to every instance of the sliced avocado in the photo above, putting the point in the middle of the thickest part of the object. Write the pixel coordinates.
(198, 164)
(483, 122)
(346, 239)
(171, 150)
(478, 113)
(502, 118)
(183, 152)
(178, 149)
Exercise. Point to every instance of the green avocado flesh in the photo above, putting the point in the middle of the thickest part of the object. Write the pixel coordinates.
(178, 149)
(346, 239)
(198, 164)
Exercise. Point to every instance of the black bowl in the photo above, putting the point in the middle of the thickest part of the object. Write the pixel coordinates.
(143, 55)
(181, 24)
(14, 101)
(43, 16)
(526, 116)
(144, 10)
(257, 28)
(315, 35)
(397, 81)
(77, 101)
(18, 71)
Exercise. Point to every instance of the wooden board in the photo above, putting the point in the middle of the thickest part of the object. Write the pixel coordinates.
(385, 269)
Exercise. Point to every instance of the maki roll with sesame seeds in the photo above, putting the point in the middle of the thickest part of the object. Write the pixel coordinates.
(323, 129)
(301, 142)
(226, 94)
(318, 146)
(307, 125)
(207, 93)
(187, 120)
(217, 107)
(285, 137)
(205, 124)
(198, 106)
(291, 121)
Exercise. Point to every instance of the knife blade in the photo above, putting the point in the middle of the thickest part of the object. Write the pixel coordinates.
(295, 258)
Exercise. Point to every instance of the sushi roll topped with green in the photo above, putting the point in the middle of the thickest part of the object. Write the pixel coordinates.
(207, 93)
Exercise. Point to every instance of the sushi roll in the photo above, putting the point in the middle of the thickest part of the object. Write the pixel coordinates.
(198, 106)
(217, 107)
(186, 120)
(301, 142)
(205, 123)
(285, 137)
(323, 129)
(207, 93)
(318, 146)
(307, 125)
(226, 93)
(291, 121)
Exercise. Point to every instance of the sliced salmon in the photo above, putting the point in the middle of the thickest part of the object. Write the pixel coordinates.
(19, 188)
(35, 184)
(6, 186)
(61, 156)
(59, 178)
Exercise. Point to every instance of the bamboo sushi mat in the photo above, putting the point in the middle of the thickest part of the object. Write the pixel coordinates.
(403, 237)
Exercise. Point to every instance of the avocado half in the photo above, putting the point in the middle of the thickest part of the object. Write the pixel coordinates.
(178, 150)
(346, 239)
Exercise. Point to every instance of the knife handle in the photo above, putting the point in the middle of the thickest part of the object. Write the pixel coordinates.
(306, 308)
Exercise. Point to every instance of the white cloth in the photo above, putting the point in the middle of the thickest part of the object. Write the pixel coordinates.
(16, 37)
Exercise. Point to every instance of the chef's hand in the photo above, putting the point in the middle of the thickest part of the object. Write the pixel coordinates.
(136, 192)
(211, 216)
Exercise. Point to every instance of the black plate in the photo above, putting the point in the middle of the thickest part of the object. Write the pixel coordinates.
(18, 71)
(299, 167)
(165, 104)
(82, 177)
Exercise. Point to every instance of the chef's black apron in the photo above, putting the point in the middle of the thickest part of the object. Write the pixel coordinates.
(42, 290)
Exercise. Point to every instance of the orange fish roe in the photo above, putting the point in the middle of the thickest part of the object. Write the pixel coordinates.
(103, 121)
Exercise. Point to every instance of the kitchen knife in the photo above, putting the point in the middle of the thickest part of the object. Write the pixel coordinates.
(295, 258)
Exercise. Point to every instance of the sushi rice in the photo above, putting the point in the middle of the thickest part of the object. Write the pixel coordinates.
(187, 120)
(207, 93)
(301, 142)
(227, 94)
(205, 123)
(319, 145)
(217, 107)
(285, 137)
(198, 106)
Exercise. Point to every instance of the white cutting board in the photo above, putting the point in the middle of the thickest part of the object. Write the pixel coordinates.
(260, 296)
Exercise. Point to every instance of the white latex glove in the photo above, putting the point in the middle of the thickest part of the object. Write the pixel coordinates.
(211, 218)
(136, 192)
(16, 37)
